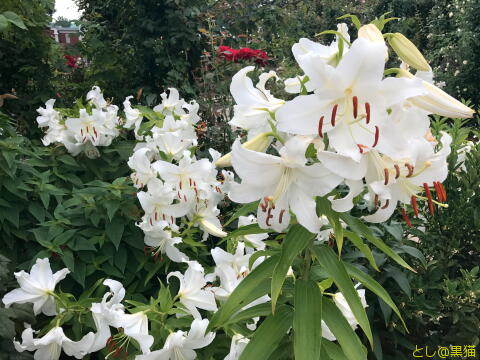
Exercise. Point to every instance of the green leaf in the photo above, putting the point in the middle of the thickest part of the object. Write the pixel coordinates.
(297, 239)
(14, 19)
(247, 314)
(350, 343)
(68, 260)
(325, 207)
(114, 231)
(112, 207)
(268, 335)
(335, 268)
(307, 320)
(37, 211)
(256, 284)
(79, 273)
(332, 351)
(244, 210)
(360, 245)
(3, 23)
(354, 19)
(360, 228)
(371, 284)
(248, 230)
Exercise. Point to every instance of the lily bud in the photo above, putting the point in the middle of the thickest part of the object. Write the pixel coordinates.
(437, 101)
(408, 52)
(212, 229)
(371, 33)
(258, 143)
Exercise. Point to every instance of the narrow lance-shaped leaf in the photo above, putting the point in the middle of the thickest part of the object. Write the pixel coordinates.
(307, 321)
(248, 288)
(360, 228)
(371, 284)
(295, 241)
(347, 338)
(268, 335)
(360, 245)
(336, 270)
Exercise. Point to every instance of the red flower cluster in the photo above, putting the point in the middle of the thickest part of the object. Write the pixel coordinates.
(229, 54)
(71, 61)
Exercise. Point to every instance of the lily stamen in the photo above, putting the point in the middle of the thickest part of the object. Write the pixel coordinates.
(387, 202)
(410, 169)
(375, 200)
(355, 106)
(334, 114)
(413, 201)
(405, 218)
(429, 198)
(320, 126)
(386, 175)
(397, 171)
(377, 134)
(269, 216)
(280, 217)
(367, 111)
(426, 165)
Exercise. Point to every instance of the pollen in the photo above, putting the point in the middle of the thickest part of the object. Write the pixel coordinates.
(387, 202)
(367, 111)
(413, 200)
(355, 106)
(429, 198)
(397, 171)
(280, 217)
(410, 169)
(377, 134)
(386, 176)
(334, 114)
(405, 218)
(320, 127)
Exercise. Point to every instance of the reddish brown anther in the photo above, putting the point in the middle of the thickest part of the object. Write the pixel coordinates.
(442, 188)
(377, 135)
(386, 176)
(375, 200)
(410, 169)
(397, 171)
(387, 202)
(429, 198)
(367, 111)
(269, 216)
(355, 106)
(180, 184)
(334, 114)
(405, 218)
(320, 127)
(413, 201)
(280, 217)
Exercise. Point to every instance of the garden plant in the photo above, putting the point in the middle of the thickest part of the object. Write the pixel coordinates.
(131, 237)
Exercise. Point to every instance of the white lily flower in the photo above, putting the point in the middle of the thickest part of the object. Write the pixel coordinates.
(256, 240)
(327, 54)
(134, 117)
(95, 96)
(350, 101)
(37, 288)
(136, 326)
(180, 345)
(107, 313)
(238, 261)
(157, 203)
(50, 346)
(205, 214)
(254, 104)
(48, 115)
(140, 163)
(237, 346)
(286, 184)
(192, 293)
(192, 179)
(391, 181)
(171, 104)
(161, 241)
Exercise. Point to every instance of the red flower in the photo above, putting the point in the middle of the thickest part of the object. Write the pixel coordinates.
(71, 61)
(229, 54)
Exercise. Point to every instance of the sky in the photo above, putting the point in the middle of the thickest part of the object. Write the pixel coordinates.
(67, 9)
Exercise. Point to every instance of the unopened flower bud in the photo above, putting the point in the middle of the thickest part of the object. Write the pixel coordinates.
(373, 34)
(437, 101)
(258, 143)
(212, 229)
(408, 52)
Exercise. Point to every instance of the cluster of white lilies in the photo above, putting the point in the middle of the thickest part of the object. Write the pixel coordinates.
(348, 125)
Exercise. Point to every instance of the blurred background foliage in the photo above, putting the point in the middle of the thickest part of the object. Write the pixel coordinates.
(143, 47)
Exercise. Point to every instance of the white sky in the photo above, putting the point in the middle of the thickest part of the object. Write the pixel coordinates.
(66, 8)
